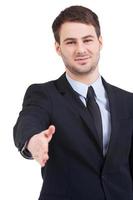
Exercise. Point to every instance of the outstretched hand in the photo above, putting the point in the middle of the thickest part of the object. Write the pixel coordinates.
(39, 143)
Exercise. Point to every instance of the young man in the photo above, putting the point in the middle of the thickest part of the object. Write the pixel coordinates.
(79, 127)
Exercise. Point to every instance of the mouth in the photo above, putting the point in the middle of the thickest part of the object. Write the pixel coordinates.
(82, 60)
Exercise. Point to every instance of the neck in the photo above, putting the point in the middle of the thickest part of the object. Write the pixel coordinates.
(84, 78)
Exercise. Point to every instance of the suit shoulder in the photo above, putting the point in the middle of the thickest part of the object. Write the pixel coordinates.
(124, 96)
(39, 91)
(121, 91)
(40, 87)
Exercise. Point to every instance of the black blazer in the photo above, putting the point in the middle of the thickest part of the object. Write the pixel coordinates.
(76, 169)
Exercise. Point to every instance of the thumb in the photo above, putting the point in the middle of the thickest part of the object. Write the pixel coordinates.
(49, 132)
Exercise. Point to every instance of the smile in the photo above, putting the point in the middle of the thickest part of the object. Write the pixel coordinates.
(81, 59)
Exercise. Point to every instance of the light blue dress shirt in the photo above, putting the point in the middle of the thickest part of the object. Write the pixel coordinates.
(101, 99)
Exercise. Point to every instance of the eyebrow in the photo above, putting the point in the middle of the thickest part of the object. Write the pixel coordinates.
(85, 37)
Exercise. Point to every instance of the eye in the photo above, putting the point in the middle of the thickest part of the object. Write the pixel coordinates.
(71, 42)
(88, 40)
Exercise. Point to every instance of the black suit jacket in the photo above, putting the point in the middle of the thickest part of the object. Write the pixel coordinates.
(76, 169)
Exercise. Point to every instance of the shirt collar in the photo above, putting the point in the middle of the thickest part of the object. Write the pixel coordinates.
(82, 88)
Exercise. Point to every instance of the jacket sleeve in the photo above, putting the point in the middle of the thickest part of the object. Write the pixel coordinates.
(35, 114)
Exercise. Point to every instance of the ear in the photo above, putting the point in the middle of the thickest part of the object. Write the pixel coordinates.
(57, 47)
(100, 41)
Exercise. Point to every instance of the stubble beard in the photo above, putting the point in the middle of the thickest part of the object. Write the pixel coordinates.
(81, 72)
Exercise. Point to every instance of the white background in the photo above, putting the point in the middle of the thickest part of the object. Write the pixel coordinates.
(27, 56)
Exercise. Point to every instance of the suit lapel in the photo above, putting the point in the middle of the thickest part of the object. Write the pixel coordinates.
(74, 103)
(115, 104)
(113, 114)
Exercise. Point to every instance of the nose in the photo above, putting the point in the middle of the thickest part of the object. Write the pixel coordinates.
(81, 49)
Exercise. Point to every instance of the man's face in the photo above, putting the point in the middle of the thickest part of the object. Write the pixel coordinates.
(79, 47)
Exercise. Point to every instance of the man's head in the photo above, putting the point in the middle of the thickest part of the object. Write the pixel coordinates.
(78, 14)
(78, 41)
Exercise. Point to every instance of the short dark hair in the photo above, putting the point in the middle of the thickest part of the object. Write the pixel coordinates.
(75, 14)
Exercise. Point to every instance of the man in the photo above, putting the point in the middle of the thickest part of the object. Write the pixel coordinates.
(79, 127)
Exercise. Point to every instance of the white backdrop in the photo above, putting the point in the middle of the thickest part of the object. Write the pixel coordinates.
(27, 56)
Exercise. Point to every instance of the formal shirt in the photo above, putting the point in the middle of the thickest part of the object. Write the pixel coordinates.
(102, 101)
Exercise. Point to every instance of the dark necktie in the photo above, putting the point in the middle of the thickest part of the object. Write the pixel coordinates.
(95, 113)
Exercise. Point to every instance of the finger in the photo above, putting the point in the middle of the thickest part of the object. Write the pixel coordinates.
(42, 160)
(43, 163)
(49, 132)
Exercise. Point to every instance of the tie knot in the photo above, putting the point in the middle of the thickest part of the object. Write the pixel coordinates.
(90, 93)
